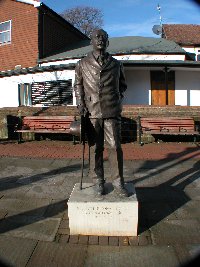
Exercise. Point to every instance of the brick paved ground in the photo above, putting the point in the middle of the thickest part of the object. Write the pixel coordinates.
(66, 150)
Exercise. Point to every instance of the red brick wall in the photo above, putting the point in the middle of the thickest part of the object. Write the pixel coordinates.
(23, 49)
(129, 111)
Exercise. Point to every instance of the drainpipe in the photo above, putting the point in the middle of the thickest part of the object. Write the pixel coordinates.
(30, 2)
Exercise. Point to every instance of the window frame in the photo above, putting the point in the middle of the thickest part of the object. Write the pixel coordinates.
(10, 31)
(24, 95)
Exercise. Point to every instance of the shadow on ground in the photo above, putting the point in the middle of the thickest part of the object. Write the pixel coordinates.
(161, 200)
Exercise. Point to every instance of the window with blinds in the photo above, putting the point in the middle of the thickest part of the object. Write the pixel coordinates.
(48, 93)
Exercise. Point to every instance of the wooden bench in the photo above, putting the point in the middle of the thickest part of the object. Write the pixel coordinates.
(45, 124)
(167, 126)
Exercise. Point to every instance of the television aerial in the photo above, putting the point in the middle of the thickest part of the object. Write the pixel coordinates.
(157, 29)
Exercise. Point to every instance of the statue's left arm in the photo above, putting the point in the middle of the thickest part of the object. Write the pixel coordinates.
(122, 82)
(78, 85)
(79, 90)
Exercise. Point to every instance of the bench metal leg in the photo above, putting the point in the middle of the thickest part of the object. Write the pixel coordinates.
(74, 141)
(139, 131)
(19, 138)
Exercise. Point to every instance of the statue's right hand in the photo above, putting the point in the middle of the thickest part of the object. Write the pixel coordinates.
(82, 109)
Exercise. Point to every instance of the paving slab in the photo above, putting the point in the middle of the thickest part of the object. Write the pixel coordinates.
(64, 239)
(176, 195)
(73, 239)
(151, 194)
(147, 256)
(176, 232)
(93, 240)
(6, 161)
(147, 178)
(188, 210)
(113, 240)
(137, 164)
(182, 252)
(30, 227)
(13, 190)
(133, 241)
(31, 163)
(156, 211)
(57, 209)
(52, 254)
(194, 250)
(42, 176)
(3, 214)
(190, 181)
(14, 171)
(67, 163)
(20, 206)
(43, 191)
(16, 251)
(195, 180)
(64, 231)
(193, 193)
(70, 168)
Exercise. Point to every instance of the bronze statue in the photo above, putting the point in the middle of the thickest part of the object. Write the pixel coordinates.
(99, 87)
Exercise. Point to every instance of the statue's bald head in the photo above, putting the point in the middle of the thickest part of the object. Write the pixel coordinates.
(100, 31)
(99, 40)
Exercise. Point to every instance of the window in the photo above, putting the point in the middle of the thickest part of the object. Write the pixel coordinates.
(49, 93)
(52, 93)
(24, 94)
(5, 32)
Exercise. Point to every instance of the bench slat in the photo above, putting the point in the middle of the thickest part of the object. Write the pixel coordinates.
(44, 131)
(50, 117)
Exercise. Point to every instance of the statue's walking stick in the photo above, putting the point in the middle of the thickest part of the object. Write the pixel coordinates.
(83, 148)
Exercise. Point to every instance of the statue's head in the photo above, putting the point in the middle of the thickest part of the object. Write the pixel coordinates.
(99, 40)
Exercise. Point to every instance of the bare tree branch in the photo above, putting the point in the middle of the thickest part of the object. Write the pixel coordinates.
(84, 18)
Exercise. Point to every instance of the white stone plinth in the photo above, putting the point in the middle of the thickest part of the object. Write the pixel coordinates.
(108, 215)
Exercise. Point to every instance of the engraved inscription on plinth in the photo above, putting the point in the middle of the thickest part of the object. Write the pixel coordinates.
(108, 215)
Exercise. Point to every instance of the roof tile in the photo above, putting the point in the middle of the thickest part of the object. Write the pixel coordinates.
(184, 34)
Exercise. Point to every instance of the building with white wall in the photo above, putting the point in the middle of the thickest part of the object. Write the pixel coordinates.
(156, 70)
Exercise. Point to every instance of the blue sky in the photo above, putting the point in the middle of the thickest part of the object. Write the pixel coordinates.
(135, 17)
